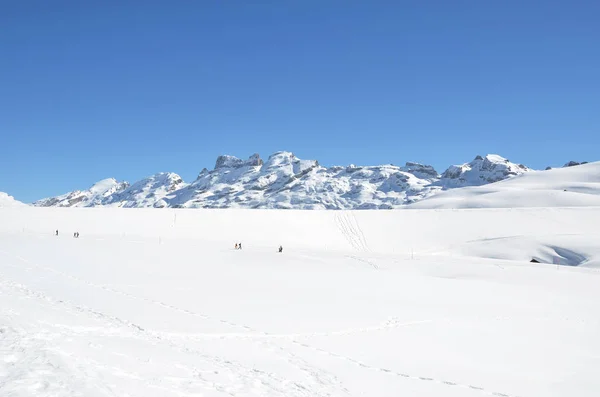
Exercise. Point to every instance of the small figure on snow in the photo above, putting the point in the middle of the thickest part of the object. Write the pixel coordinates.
(57, 232)
(280, 248)
(236, 245)
(240, 245)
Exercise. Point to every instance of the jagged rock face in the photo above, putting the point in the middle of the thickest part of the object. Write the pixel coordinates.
(285, 181)
(482, 170)
(226, 161)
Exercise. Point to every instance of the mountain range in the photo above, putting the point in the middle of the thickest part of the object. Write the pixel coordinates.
(284, 181)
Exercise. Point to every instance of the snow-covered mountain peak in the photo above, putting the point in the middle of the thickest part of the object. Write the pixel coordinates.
(169, 180)
(105, 185)
(148, 192)
(94, 196)
(287, 163)
(480, 171)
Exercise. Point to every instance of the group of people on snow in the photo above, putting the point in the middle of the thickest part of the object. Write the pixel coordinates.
(75, 235)
(238, 246)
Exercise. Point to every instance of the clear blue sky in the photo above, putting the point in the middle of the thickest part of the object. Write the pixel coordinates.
(125, 89)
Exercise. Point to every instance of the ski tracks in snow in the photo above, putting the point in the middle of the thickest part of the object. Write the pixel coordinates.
(350, 228)
(348, 224)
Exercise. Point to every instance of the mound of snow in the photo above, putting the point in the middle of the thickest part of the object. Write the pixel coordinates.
(564, 187)
(9, 201)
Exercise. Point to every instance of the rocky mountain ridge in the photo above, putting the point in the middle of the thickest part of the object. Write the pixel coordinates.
(287, 182)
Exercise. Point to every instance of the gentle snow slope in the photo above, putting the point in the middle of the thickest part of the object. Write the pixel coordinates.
(369, 303)
(577, 186)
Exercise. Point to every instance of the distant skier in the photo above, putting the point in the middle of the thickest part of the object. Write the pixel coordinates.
(280, 248)
(236, 245)
(240, 245)
(57, 232)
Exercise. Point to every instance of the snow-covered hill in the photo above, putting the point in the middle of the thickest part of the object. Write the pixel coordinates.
(9, 201)
(287, 182)
(573, 186)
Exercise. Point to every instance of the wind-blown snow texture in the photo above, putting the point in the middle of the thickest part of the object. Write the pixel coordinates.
(287, 182)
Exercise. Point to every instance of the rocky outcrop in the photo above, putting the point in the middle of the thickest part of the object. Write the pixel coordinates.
(421, 171)
(226, 161)
(574, 163)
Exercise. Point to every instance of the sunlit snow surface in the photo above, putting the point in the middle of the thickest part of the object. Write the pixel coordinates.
(151, 302)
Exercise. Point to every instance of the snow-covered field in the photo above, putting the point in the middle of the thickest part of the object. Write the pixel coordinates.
(152, 302)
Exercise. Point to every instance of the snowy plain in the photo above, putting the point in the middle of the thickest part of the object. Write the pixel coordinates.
(415, 302)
